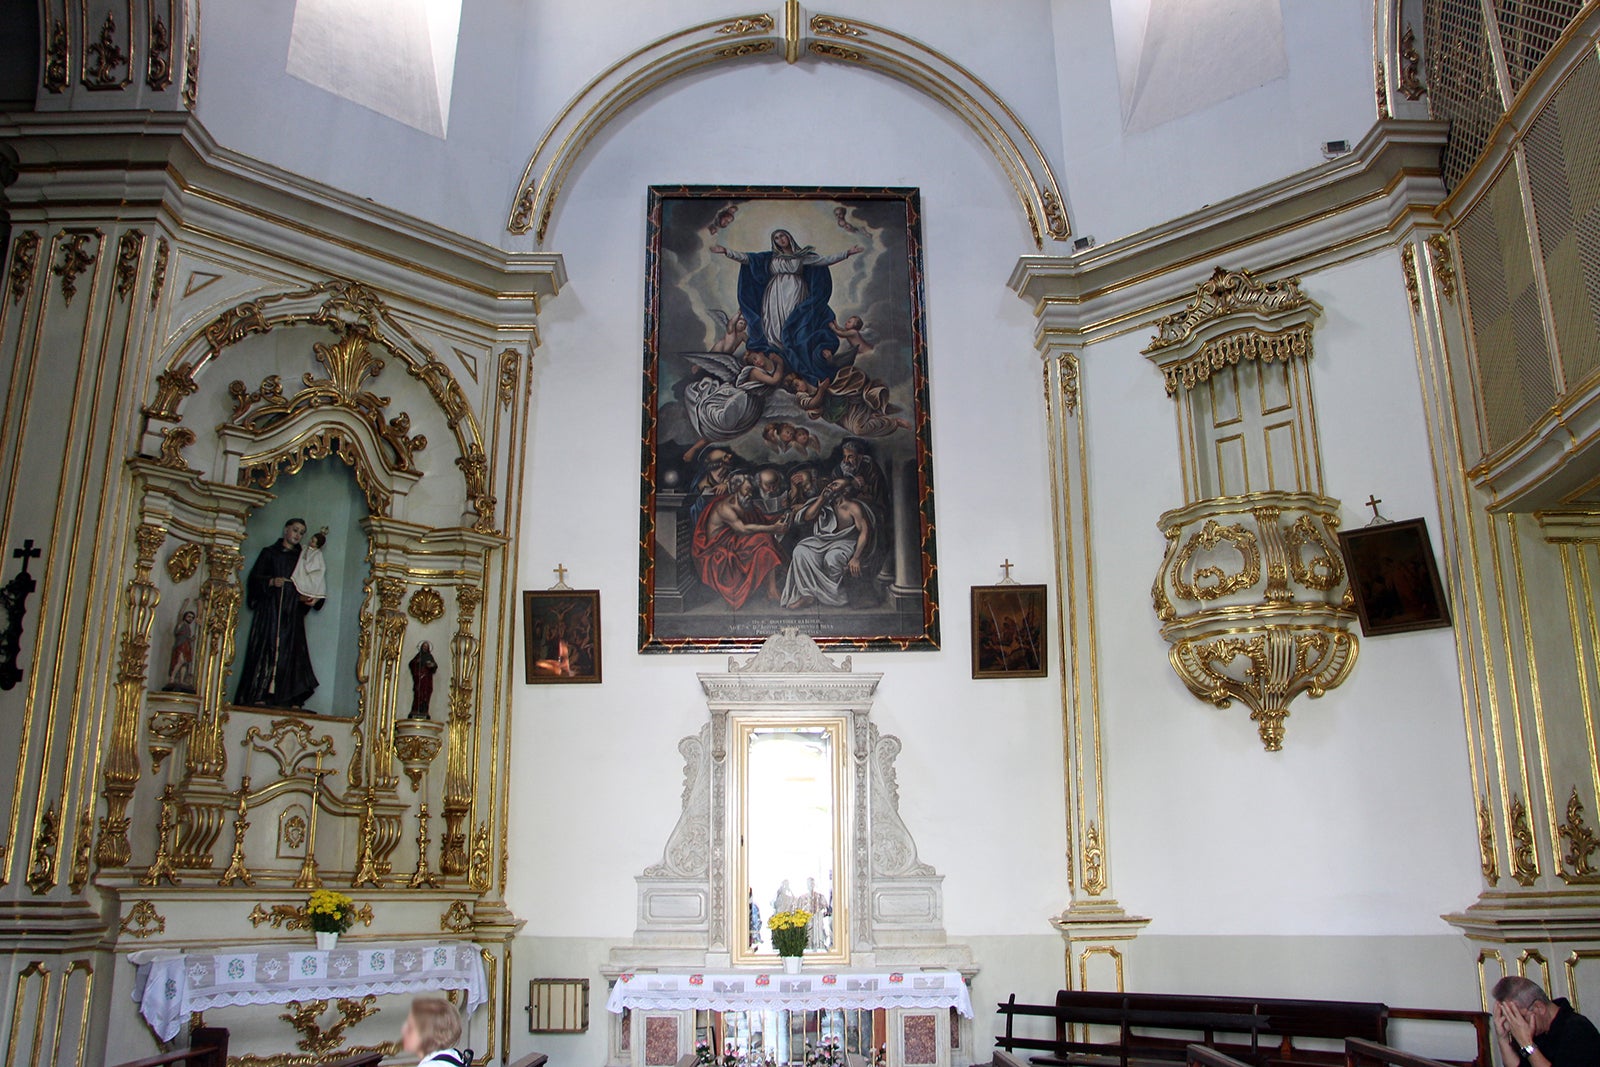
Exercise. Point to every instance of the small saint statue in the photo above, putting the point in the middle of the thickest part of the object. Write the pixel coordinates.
(423, 667)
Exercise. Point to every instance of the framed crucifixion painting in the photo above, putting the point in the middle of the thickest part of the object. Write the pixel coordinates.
(787, 472)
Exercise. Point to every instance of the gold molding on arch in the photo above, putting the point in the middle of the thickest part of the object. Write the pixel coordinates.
(793, 34)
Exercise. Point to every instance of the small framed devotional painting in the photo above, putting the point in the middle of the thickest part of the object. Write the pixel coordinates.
(561, 635)
(1394, 578)
(787, 472)
(1010, 638)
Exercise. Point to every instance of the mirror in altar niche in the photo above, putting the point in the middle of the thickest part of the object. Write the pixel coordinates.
(305, 554)
(792, 814)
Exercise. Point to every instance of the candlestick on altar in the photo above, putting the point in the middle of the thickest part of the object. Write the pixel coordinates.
(309, 878)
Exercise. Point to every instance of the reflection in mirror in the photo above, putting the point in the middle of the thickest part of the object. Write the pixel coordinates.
(791, 798)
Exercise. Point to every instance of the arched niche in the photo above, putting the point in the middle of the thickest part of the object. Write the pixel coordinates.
(791, 34)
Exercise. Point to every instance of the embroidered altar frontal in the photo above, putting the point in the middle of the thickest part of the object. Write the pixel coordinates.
(787, 473)
(172, 985)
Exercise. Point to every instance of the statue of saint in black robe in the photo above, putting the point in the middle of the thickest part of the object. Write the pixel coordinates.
(277, 661)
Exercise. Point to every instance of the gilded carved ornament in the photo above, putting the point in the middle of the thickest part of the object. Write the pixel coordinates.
(75, 259)
(82, 852)
(350, 362)
(426, 605)
(24, 264)
(1410, 85)
(183, 562)
(129, 247)
(750, 24)
(158, 274)
(313, 1037)
(174, 439)
(359, 318)
(480, 858)
(55, 55)
(1408, 265)
(1094, 861)
(1232, 317)
(457, 918)
(158, 68)
(42, 863)
(292, 917)
(172, 385)
(1581, 841)
(191, 72)
(108, 56)
(752, 48)
(1486, 855)
(320, 444)
(828, 26)
(834, 51)
(507, 384)
(1444, 265)
(143, 920)
(1211, 581)
(1524, 864)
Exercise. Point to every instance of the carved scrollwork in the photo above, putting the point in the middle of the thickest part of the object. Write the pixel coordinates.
(174, 439)
(313, 1037)
(24, 264)
(829, 26)
(1581, 841)
(320, 445)
(172, 385)
(1325, 569)
(1279, 663)
(1486, 856)
(1524, 864)
(688, 851)
(183, 562)
(750, 24)
(789, 652)
(457, 918)
(289, 744)
(1211, 582)
(143, 920)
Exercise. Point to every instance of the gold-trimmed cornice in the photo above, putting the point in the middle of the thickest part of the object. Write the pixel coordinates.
(156, 162)
(1347, 206)
(792, 34)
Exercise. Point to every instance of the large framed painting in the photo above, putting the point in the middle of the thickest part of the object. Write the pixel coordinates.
(1394, 578)
(787, 475)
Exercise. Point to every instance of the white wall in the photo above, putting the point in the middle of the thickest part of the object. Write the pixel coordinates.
(1363, 823)
(1359, 832)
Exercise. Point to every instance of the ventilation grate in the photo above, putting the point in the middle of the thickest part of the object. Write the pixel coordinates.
(1515, 377)
(1529, 29)
(1564, 175)
(1461, 83)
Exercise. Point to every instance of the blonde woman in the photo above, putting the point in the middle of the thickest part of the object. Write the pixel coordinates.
(431, 1031)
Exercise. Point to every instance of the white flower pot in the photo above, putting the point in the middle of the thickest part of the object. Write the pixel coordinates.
(326, 941)
(791, 964)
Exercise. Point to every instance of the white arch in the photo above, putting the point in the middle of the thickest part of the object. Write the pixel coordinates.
(792, 35)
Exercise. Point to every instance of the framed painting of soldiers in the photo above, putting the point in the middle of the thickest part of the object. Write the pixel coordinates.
(561, 636)
(787, 476)
(1009, 635)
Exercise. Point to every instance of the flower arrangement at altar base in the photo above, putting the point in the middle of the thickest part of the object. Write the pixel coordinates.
(329, 911)
(825, 1053)
(789, 931)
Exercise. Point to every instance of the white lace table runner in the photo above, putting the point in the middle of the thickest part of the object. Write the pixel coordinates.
(170, 985)
(776, 991)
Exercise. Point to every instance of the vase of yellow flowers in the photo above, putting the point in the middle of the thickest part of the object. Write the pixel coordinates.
(329, 913)
(789, 936)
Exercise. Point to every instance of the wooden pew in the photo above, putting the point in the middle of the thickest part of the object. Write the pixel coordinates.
(208, 1047)
(1358, 1053)
(1263, 1031)
(366, 1059)
(1201, 1056)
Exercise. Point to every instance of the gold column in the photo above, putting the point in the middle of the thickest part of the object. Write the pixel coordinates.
(458, 768)
(1093, 924)
(122, 763)
(391, 633)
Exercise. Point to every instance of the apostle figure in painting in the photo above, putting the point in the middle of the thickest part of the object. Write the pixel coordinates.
(180, 665)
(857, 464)
(783, 296)
(735, 551)
(277, 661)
(841, 536)
(422, 667)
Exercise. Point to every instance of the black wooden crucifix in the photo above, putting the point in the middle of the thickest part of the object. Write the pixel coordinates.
(14, 602)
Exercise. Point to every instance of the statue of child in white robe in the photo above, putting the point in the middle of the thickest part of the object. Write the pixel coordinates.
(310, 576)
